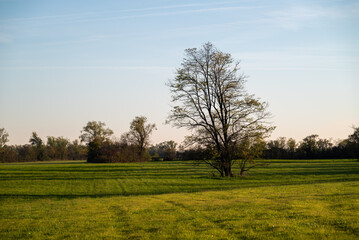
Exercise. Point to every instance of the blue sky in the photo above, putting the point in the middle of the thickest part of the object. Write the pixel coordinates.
(64, 63)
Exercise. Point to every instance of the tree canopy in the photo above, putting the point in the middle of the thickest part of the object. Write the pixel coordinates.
(95, 134)
(95, 130)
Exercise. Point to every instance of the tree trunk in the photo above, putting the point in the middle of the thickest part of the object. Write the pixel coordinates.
(227, 169)
(226, 162)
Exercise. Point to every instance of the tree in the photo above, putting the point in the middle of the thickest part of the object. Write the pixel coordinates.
(169, 150)
(139, 133)
(94, 134)
(308, 146)
(324, 147)
(165, 150)
(76, 151)
(51, 147)
(249, 150)
(4, 137)
(95, 130)
(291, 146)
(277, 148)
(57, 147)
(355, 136)
(211, 102)
(3, 140)
(353, 143)
(38, 145)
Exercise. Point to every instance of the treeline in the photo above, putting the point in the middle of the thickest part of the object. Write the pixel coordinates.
(56, 148)
(313, 147)
(96, 145)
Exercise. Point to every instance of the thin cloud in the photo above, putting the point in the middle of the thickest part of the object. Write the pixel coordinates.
(159, 14)
(94, 15)
(297, 16)
(85, 68)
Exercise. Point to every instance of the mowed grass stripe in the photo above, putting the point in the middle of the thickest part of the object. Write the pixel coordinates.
(319, 211)
(79, 180)
(179, 200)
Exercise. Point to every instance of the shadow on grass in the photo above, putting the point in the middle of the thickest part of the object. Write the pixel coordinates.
(169, 191)
(173, 173)
(65, 162)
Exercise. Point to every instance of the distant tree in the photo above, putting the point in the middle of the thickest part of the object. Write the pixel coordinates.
(169, 150)
(95, 130)
(139, 133)
(61, 147)
(340, 149)
(26, 152)
(324, 147)
(51, 147)
(291, 146)
(211, 102)
(76, 151)
(8, 154)
(308, 147)
(154, 153)
(165, 150)
(4, 137)
(95, 134)
(195, 152)
(324, 144)
(277, 148)
(57, 147)
(129, 152)
(354, 138)
(35, 140)
(353, 143)
(38, 146)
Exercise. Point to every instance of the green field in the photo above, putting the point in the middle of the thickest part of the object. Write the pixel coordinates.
(179, 200)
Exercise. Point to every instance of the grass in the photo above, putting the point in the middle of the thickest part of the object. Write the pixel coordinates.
(179, 200)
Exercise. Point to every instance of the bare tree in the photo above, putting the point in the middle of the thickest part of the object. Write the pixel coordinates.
(139, 134)
(211, 102)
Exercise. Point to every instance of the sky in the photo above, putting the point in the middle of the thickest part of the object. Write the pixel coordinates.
(64, 63)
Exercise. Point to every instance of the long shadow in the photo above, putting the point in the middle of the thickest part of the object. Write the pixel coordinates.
(102, 175)
(103, 170)
(159, 192)
(311, 173)
(168, 173)
(43, 163)
(149, 177)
